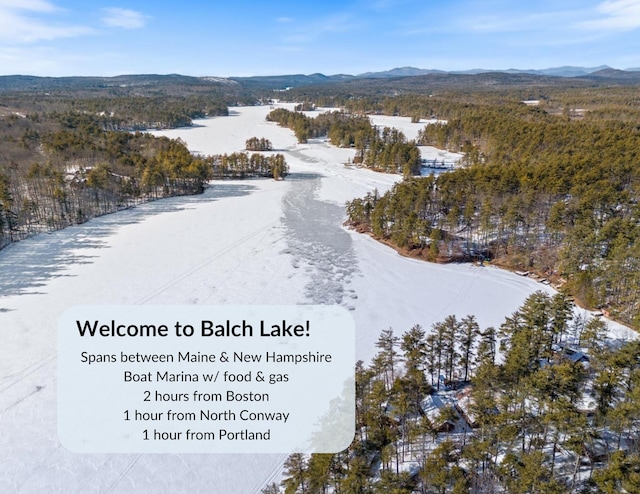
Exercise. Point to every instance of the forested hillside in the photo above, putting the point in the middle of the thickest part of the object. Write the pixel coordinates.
(437, 412)
(127, 113)
(62, 169)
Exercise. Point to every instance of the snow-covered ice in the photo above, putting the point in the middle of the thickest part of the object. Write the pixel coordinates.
(241, 242)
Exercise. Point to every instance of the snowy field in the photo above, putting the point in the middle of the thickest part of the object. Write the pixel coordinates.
(242, 242)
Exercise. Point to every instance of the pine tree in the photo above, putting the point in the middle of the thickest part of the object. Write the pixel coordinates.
(296, 474)
(487, 346)
(386, 359)
(318, 473)
(469, 331)
(451, 331)
(440, 472)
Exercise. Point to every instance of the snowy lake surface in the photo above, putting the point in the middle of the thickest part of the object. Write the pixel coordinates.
(241, 242)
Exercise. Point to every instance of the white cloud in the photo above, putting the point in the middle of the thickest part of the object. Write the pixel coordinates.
(19, 23)
(596, 17)
(31, 5)
(124, 18)
(505, 22)
(622, 15)
(284, 20)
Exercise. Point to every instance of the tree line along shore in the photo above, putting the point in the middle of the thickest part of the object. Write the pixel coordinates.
(60, 169)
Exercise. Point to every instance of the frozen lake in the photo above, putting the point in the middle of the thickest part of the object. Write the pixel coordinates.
(241, 242)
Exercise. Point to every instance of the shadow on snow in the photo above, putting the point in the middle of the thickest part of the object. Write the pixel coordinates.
(28, 265)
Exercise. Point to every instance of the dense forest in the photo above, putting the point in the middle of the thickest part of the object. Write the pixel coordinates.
(541, 188)
(542, 404)
(450, 97)
(127, 113)
(136, 102)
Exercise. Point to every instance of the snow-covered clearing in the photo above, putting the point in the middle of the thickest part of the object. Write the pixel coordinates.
(242, 242)
(404, 124)
(410, 130)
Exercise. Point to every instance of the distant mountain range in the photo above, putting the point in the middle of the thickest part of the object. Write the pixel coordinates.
(174, 84)
(601, 73)
(566, 71)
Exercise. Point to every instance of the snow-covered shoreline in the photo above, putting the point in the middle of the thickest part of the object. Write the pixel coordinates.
(241, 242)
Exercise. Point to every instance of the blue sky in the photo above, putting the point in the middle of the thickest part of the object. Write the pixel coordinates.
(242, 37)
